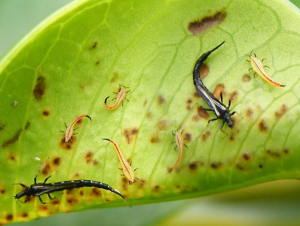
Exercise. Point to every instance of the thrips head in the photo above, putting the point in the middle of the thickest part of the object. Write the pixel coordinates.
(26, 192)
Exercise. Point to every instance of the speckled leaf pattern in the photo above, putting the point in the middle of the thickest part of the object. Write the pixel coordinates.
(69, 64)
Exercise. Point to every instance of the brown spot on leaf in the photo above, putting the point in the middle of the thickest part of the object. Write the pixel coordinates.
(115, 77)
(198, 26)
(81, 193)
(44, 208)
(188, 137)
(94, 45)
(39, 70)
(246, 78)
(46, 169)
(216, 165)
(46, 112)
(189, 104)
(27, 125)
(281, 111)
(95, 162)
(205, 135)
(72, 201)
(162, 125)
(249, 112)
(193, 166)
(156, 188)
(202, 113)
(13, 139)
(196, 95)
(238, 166)
(149, 115)
(231, 137)
(96, 192)
(246, 156)
(56, 161)
(24, 215)
(273, 153)
(9, 217)
(233, 95)
(76, 175)
(161, 100)
(39, 89)
(97, 63)
(89, 157)
(286, 151)
(2, 127)
(154, 139)
(260, 166)
(218, 90)
(204, 71)
(2, 191)
(263, 126)
(11, 157)
(55, 202)
(130, 134)
(67, 145)
(145, 103)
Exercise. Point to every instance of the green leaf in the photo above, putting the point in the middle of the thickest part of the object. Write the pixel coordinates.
(70, 63)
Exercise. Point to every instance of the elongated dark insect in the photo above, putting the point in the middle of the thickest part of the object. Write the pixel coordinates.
(220, 110)
(38, 189)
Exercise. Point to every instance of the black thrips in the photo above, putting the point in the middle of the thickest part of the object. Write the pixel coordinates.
(38, 189)
(220, 110)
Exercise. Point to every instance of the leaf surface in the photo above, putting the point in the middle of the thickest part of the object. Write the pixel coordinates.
(70, 63)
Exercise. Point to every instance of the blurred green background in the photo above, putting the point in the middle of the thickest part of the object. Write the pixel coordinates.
(275, 203)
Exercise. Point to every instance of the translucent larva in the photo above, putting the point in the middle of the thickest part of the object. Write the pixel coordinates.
(120, 97)
(259, 69)
(69, 130)
(127, 169)
(180, 145)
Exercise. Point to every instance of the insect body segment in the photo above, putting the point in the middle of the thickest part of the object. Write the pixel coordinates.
(259, 69)
(120, 97)
(127, 169)
(180, 145)
(38, 189)
(220, 110)
(69, 130)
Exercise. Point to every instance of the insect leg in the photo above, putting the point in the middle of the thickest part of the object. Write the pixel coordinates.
(41, 200)
(222, 127)
(23, 185)
(229, 103)
(35, 179)
(186, 146)
(46, 179)
(206, 109)
(221, 97)
(214, 119)
(50, 197)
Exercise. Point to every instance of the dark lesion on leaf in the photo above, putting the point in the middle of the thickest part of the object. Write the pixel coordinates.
(94, 45)
(12, 140)
(218, 90)
(2, 127)
(263, 126)
(281, 111)
(130, 133)
(216, 165)
(198, 26)
(56, 161)
(67, 145)
(46, 112)
(39, 89)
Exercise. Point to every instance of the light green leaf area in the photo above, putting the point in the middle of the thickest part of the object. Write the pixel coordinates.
(69, 64)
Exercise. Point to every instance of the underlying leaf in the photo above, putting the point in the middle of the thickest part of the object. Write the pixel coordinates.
(73, 61)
